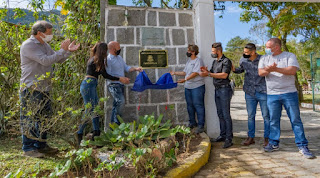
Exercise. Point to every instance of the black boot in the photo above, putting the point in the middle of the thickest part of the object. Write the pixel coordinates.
(79, 138)
(95, 133)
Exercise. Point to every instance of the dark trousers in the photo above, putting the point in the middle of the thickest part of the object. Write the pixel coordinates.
(35, 106)
(223, 99)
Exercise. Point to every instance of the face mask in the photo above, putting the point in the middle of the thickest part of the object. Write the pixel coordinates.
(118, 52)
(47, 38)
(268, 51)
(214, 55)
(189, 54)
(246, 56)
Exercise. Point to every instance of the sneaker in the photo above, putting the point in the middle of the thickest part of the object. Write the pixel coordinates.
(271, 148)
(304, 150)
(48, 150)
(34, 154)
(199, 130)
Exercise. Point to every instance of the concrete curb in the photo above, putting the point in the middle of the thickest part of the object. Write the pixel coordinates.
(193, 164)
(310, 106)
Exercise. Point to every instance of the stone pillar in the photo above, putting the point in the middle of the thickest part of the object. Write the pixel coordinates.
(204, 37)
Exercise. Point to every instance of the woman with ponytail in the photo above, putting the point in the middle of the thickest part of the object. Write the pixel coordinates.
(96, 65)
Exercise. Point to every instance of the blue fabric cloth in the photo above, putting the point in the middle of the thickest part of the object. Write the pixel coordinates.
(143, 82)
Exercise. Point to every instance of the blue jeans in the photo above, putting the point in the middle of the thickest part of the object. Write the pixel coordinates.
(117, 92)
(291, 104)
(88, 90)
(223, 99)
(252, 102)
(38, 103)
(195, 103)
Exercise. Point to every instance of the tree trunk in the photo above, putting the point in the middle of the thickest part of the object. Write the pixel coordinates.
(298, 86)
(102, 19)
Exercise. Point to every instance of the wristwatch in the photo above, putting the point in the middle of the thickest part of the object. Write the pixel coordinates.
(209, 74)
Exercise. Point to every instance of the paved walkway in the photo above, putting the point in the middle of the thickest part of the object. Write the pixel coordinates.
(252, 161)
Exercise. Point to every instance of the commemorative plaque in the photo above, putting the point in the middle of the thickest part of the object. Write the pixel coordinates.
(153, 58)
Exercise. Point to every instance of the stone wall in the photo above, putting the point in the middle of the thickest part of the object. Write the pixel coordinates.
(151, 28)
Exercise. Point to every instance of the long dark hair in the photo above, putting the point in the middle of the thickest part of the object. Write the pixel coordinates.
(99, 53)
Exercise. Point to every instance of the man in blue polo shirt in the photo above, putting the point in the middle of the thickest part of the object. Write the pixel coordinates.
(116, 67)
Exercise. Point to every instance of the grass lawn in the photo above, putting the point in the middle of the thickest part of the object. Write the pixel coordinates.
(307, 98)
(12, 158)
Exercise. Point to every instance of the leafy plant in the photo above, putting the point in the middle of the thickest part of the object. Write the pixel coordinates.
(81, 159)
(134, 134)
(111, 165)
(142, 139)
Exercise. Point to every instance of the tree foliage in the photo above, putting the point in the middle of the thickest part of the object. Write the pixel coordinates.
(83, 17)
(285, 18)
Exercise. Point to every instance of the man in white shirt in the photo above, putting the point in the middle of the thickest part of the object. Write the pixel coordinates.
(279, 69)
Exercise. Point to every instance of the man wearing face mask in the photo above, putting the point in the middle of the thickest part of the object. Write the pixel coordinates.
(255, 91)
(279, 68)
(116, 67)
(220, 70)
(37, 58)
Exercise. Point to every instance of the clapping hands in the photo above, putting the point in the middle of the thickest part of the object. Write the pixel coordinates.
(73, 46)
(204, 71)
(68, 46)
(271, 68)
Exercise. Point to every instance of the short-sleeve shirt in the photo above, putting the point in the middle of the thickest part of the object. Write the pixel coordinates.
(222, 65)
(193, 66)
(278, 83)
(116, 67)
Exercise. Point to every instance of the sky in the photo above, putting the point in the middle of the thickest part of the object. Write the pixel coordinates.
(24, 4)
(226, 28)
(229, 26)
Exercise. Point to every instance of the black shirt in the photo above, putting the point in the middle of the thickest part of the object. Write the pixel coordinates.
(91, 70)
(222, 65)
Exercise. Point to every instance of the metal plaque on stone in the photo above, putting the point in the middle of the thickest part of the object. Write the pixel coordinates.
(153, 58)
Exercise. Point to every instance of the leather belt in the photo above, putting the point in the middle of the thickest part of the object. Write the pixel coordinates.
(222, 86)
